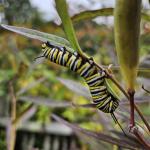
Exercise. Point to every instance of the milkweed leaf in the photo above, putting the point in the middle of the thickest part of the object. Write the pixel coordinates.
(34, 34)
(99, 136)
(127, 27)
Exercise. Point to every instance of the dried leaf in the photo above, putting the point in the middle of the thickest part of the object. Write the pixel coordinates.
(76, 87)
(98, 136)
(44, 101)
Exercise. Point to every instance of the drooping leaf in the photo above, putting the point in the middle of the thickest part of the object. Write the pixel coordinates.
(34, 34)
(99, 136)
(127, 26)
(92, 14)
(44, 102)
(104, 12)
(76, 87)
(62, 10)
(31, 85)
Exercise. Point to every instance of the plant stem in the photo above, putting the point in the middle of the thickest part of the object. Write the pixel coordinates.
(131, 99)
(11, 128)
(18, 118)
(128, 97)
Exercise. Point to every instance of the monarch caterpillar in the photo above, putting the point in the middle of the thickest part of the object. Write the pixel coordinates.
(93, 76)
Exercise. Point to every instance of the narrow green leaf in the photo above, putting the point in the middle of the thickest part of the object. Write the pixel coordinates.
(34, 34)
(103, 12)
(62, 10)
(127, 27)
(92, 14)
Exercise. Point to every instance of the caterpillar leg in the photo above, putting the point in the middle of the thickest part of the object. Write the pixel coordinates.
(91, 60)
(62, 48)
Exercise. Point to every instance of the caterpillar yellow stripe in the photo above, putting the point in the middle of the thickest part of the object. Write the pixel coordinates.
(95, 78)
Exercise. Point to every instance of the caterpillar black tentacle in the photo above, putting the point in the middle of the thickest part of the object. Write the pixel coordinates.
(86, 68)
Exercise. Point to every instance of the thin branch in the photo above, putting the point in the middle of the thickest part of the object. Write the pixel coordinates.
(145, 89)
(11, 128)
(131, 99)
(13, 102)
(19, 117)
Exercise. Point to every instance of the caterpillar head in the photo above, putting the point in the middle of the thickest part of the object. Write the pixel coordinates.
(44, 46)
(47, 44)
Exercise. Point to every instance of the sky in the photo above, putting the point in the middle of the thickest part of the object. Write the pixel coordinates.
(49, 13)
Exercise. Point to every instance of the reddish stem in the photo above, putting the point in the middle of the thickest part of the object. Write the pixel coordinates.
(131, 98)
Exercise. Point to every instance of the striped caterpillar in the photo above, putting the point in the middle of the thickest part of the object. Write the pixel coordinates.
(103, 99)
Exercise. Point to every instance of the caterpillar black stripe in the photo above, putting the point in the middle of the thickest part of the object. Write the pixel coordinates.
(95, 78)
(104, 100)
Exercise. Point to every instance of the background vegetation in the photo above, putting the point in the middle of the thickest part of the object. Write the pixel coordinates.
(34, 90)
